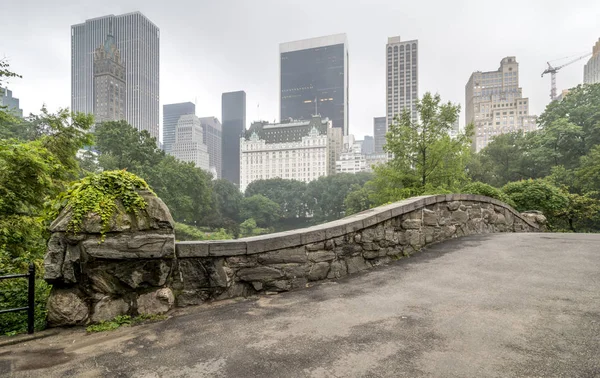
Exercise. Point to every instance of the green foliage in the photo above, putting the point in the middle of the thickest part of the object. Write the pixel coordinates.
(325, 196)
(249, 228)
(184, 188)
(184, 232)
(264, 211)
(13, 294)
(100, 194)
(123, 320)
(487, 190)
(537, 195)
(588, 174)
(288, 194)
(357, 200)
(423, 151)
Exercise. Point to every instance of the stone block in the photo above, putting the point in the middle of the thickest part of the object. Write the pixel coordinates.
(318, 271)
(226, 248)
(128, 246)
(356, 264)
(70, 268)
(292, 270)
(454, 205)
(338, 269)
(430, 218)
(315, 247)
(66, 308)
(191, 249)
(289, 255)
(236, 262)
(156, 302)
(412, 224)
(259, 273)
(415, 238)
(54, 258)
(459, 216)
(371, 247)
(141, 273)
(108, 308)
(313, 235)
(320, 256)
(272, 242)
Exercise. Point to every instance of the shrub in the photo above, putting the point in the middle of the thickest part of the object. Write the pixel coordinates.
(184, 232)
(487, 190)
(537, 195)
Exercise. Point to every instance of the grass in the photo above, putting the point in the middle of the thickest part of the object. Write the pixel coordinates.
(123, 320)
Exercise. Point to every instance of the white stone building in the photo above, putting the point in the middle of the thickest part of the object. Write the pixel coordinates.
(351, 159)
(495, 103)
(591, 70)
(301, 150)
(188, 145)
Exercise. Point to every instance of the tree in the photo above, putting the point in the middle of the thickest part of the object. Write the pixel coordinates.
(325, 196)
(581, 107)
(357, 200)
(588, 174)
(288, 194)
(184, 188)
(264, 211)
(425, 156)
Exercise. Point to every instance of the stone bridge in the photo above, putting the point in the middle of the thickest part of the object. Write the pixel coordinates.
(140, 268)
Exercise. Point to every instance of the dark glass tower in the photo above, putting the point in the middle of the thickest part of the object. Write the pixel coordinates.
(314, 79)
(233, 115)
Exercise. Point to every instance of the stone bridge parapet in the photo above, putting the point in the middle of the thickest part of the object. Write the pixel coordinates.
(197, 271)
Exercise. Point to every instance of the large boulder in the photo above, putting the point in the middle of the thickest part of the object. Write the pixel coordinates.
(66, 308)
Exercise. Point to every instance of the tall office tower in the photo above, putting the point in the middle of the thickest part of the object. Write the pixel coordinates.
(314, 79)
(301, 150)
(212, 137)
(591, 70)
(233, 116)
(171, 114)
(495, 103)
(11, 103)
(109, 82)
(138, 41)
(368, 145)
(402, 78)
(379, 131)
(189, 145)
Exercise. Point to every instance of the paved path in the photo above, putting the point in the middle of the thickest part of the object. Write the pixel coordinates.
(504, 305)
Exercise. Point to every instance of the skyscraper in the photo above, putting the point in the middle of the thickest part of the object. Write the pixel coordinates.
(212, 136)
(368, 145)
(109, 82)
(314, 79)
(233, 115)
(591, 70)
(138, 41)
(171, 114)
(402, 70)
(379, 131)
(495, 103)
(189, 145)
(11, 103)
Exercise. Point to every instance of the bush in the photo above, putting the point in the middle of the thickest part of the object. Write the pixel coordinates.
(184, 232)
(537, 195)
(13, 293)
(489, 191)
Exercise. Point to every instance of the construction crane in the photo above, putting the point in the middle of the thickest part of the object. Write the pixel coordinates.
(553, 70)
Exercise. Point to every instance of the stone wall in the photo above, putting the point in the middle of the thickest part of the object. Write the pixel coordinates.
(143, 281)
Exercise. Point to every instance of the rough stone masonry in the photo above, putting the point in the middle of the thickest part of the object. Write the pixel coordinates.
(140, 269)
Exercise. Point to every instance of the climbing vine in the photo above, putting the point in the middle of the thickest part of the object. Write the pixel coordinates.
(99, 194)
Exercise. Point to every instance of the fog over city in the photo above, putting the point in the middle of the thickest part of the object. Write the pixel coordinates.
(210, 47)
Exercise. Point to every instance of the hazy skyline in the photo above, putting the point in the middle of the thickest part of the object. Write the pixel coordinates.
(212, 47)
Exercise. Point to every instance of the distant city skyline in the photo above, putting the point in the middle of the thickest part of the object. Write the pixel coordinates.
(194, 65)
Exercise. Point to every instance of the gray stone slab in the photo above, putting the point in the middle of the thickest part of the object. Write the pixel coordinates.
(273, 242)
(191, 249)
(227, 248)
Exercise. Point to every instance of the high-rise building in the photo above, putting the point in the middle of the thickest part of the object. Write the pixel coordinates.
(109, 82)
(189, 145)
(11, 103)
(171, 114)
(138, 41)
(302, 150)
(233, 116)
(212, 137)
(379, 131)
(495, 103)
(402, 89)
(591, 70)
(314, 79)
(368, 145)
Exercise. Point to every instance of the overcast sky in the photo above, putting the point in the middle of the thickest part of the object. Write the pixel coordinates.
(213, 46)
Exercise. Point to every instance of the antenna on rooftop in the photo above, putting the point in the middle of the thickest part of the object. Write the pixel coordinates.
(316, 107)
